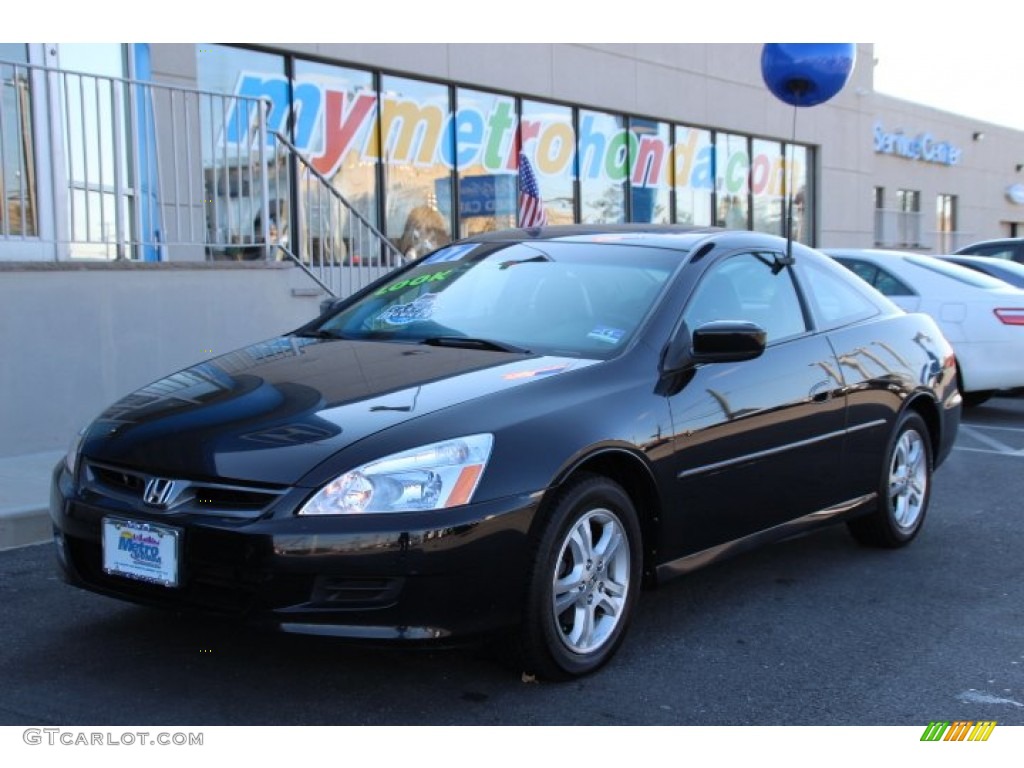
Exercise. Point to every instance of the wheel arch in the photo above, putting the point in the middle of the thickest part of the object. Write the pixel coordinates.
(637, 479)
(926, 407)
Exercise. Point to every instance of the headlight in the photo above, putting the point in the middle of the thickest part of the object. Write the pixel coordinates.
(432, 476)
(71, 459)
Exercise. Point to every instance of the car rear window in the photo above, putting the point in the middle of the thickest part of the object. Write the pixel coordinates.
(956, 272)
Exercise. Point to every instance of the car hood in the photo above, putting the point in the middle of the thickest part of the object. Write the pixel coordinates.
(272, 411)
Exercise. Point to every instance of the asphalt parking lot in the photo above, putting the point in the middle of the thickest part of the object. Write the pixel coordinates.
(812, 631)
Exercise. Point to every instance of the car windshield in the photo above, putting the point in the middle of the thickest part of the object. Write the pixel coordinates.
(572, 299)
(956, 272)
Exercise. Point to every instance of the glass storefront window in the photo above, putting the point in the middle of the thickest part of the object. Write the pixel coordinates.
(94, 173)
(768, 185)
(549, 141)
(486, 162)
(18, 175)
(418, 153)
(336, 145)
(231, 185)
(649, 171)
(803, 194)
(732, 180)
(603, 150)
(693, 170)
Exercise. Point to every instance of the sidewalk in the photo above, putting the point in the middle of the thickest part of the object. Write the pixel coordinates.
(24, 498)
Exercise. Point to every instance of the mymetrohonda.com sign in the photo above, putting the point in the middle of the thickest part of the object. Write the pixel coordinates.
(335, 126)
(922, 146)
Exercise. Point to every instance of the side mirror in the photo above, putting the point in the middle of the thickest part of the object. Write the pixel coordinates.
(328, 305)
(727, 341)
(720, 341)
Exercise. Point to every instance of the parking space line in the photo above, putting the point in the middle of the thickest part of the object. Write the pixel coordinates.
(1015, 454)
(989, 441)
(989, 426)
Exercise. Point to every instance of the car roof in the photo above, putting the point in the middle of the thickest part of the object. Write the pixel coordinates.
(855, 252)
(673, 236)
(995, 263)
(992, 241)
(913, 268)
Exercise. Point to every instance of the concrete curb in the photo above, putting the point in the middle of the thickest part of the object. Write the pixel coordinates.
(21, 527)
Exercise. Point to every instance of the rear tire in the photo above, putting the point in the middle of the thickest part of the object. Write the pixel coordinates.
(584, 582)
(904, 488)
(973, 399)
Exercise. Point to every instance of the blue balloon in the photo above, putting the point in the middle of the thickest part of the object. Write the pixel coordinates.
(806, 74)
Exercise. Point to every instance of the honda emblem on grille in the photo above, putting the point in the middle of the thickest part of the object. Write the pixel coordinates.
(159, 492)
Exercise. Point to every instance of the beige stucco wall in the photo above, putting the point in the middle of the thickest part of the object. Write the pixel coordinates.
(76, 339)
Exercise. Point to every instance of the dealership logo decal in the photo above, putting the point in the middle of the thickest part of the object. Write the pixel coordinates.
(960, 730)
(335, 125)
(142, 548)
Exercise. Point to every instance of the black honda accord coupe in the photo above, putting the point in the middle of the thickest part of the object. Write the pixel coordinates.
(511, 436)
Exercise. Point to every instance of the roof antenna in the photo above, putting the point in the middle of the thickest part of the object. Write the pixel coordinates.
(798, 87)
(804, 75)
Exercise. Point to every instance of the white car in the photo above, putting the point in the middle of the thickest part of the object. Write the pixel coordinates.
(982, 317)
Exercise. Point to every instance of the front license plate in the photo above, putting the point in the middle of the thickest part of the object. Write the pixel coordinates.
(141, 551)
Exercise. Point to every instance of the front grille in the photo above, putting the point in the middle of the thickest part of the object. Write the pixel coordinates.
(189, 496)
(115, 478)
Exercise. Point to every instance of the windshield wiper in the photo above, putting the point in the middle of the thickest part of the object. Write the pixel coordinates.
(471, 343)
(319, 334)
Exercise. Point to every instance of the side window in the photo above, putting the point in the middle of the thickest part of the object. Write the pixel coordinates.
(995, 251)
(746, 287)
(890, 285)
(834, 299)
(882, 280)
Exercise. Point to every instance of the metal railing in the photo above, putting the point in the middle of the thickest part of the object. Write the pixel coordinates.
(898, 229)
(115, 168)
(337, 245)
(947, 242)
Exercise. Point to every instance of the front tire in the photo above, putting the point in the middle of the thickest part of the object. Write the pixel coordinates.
(904, 489)
(584, 582)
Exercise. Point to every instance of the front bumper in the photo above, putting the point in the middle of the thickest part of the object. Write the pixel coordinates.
(437, 575)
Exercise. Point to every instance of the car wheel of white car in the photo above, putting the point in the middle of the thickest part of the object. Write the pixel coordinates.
(904, 490)
(584, 582)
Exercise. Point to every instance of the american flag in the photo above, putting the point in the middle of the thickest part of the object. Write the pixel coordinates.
(531, 207)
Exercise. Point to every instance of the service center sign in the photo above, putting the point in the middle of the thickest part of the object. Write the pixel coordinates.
(921, 147)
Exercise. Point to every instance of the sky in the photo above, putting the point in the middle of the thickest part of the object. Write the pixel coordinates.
(976, 77)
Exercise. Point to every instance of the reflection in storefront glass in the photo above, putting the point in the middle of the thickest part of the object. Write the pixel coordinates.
(486, 162)
(768, 183)
(17, 184)
(231, 184)
(803, 194)
(732, 180)
(416, 137)
(396, 154)
(345, 94)
(694, 174)
(649, 171)
(604, 167)
(550, 143)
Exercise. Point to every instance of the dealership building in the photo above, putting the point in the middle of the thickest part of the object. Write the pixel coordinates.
(164, 203)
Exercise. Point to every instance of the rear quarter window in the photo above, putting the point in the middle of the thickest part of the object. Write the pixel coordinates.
(834, 299)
